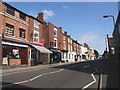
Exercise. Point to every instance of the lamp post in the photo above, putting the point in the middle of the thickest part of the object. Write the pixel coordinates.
(106, 16)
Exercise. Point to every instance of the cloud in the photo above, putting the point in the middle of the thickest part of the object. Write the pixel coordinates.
(94, 41)
(65, 6)
(48, 13)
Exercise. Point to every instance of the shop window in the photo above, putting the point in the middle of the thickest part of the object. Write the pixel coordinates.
(22, 16)
(69, 56)
(21, 33)
(9, 30)
(36, 36)
(10, 11)
(63, 55)
(10, 52)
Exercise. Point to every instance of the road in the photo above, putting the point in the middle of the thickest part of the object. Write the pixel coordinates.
(77, 75)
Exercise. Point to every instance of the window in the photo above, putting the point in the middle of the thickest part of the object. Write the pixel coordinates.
(55, 32)
(10, 11)
(71, 47)
(36, 24)
(68, 40)
(63, 55)
(63, 37)
(64, 44)
(36, 36)
(55, 43)
(71, 41)
(21, 33)
(22, 16)
(69, 56)
(68, 47)
(9, 30)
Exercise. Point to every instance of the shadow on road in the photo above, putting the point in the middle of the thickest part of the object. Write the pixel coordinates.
(104, 67)
(15, 86)
(85, 67)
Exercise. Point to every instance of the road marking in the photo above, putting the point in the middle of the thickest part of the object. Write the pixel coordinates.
(15, 83)
(29, 80)
(86, 66)
(94, 80)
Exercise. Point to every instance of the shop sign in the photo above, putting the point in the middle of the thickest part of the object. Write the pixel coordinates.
(41, 44)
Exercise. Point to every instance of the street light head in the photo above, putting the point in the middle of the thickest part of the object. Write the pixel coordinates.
(105, 16)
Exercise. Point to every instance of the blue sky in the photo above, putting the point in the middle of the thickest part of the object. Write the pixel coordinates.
(83, 20)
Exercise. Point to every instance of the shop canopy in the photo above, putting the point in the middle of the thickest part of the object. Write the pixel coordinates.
(42, 49)
(14, 44)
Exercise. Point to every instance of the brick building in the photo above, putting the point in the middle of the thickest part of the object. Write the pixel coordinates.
(18, 36)
(27, 40)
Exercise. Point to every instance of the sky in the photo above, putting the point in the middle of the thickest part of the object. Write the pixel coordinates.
(82, 20)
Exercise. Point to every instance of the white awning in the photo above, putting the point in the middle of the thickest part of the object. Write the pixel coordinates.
(42, 49)
(14, 44)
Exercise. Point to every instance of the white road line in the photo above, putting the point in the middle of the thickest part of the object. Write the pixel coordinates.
(15, 83)
(29, 80)
(94, 80)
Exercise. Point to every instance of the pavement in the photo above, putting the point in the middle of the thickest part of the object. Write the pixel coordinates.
(109, 72)
(9, 69)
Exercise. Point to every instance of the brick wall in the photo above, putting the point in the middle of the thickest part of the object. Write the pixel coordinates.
(16, 22)
(13, 62)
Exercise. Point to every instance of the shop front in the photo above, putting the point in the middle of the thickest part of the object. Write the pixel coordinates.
(55, 57)
(78, 57)
(14, 54)
(39, 55)
(64, 55)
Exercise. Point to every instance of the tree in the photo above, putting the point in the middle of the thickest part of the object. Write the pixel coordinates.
(96, 53)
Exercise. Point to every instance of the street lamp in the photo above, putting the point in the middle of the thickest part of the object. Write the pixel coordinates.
(106, 16)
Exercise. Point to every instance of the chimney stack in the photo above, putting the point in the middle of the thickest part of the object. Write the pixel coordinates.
(65, 32)
(40, 16)
(60, 29)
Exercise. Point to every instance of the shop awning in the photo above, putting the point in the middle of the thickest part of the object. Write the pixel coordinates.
(14, 44)
(55, 50)
(42, 49)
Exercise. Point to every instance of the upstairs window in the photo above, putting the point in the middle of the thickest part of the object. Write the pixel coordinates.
(64, 44)
(10, 11)
(68, 47)
(63, 37)
(55, 43)
(55, 32)
(71, 41)
(21, 33)
(36, 24)
(36, 36)
(9, 29)
(68, 40)
(22, 16)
